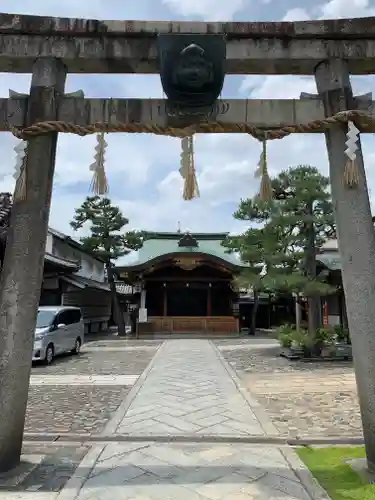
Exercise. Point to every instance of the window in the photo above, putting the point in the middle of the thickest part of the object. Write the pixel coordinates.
(44, 318)
(69, 316)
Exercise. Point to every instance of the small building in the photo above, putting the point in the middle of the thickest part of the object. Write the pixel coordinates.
(74, 277)
(185, 283)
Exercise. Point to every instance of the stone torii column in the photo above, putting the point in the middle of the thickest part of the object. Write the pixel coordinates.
(22, 273)
(356, 242)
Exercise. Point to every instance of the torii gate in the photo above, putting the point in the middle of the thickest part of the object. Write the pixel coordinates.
(49, 48)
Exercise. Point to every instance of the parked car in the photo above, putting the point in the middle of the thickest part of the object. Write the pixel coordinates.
(59, 329)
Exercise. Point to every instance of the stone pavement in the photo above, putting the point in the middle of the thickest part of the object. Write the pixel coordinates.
(153, 471)
(187, 392)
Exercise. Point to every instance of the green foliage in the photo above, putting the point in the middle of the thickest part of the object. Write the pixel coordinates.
(106, 223)
(342, 334)
(289, 336)
(332, 468)
(325, 335)
(302, 339)
(281, 252)
(284, 334)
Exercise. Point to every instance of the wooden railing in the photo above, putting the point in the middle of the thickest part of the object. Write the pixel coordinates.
(194, 324)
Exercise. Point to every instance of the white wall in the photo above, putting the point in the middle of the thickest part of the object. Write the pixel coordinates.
(49, 243)
(91, 268)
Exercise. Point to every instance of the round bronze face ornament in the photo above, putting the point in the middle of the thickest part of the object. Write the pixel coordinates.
(192, 69)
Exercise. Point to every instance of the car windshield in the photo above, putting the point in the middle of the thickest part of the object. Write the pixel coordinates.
(44, 318)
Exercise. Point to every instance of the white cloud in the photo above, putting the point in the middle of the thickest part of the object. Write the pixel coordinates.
(333, 9)
(347, 9)
(296, 14)
(209, 10)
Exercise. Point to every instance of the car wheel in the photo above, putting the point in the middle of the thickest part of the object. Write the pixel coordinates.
(50, 354)
(77, 346)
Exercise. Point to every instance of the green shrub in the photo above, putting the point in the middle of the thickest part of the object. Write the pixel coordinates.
(325, 335)
(302, 339)
(342, 334)
(284, 335)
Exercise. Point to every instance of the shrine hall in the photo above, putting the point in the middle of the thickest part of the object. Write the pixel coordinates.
(186, 284)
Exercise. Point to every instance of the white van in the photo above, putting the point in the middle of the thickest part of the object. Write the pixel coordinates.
(58, 329)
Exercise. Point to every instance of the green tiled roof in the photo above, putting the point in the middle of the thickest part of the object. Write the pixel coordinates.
(167, 243)
(331, 260)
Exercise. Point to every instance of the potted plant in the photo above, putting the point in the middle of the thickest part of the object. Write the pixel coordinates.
(324, 342)
(343, 347)
(302, 343)
(285, 338)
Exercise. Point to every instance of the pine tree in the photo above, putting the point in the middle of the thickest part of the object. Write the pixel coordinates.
(107, 240)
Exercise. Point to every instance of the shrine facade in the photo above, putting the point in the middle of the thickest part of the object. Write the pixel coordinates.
(186, 284)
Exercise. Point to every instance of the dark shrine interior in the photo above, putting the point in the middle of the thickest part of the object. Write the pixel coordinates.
(202, 291)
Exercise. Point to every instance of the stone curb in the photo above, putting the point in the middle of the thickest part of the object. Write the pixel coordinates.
(307, 480)
(57, 439)
(73, 486)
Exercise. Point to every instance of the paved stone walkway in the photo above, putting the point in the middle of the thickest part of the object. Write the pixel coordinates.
(188, 390)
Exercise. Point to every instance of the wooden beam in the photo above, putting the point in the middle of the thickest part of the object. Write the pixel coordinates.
(262, 113)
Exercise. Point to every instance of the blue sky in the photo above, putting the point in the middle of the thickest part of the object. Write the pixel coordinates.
(143, 170)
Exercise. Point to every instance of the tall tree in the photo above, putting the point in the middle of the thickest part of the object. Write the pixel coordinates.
(292, 226)
(309, 214)
(106, 240)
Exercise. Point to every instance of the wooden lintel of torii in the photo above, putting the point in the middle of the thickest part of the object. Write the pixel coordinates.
(265, 114)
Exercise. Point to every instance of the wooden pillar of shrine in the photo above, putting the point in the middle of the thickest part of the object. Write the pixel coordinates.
(209, 300)
(165, 300)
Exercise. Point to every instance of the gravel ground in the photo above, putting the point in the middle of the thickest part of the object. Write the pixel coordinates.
(112, 362)
(306, 399)
(78, 409)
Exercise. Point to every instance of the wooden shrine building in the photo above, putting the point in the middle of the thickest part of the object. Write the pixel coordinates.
(186, 284)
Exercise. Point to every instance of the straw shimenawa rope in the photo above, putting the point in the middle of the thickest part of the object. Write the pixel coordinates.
(46, 127)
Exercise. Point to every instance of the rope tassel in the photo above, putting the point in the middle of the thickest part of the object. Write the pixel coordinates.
(99, 183)
(351, 171)
(265, 192)
(20, 173)
(187, 170)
